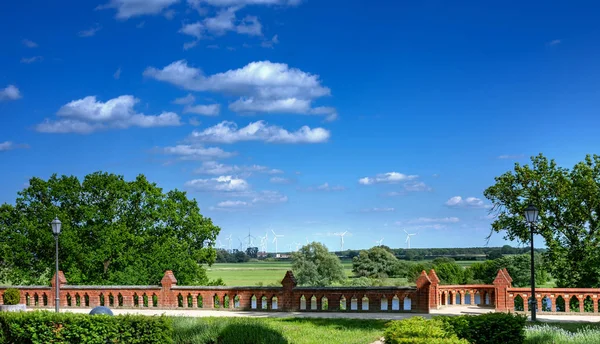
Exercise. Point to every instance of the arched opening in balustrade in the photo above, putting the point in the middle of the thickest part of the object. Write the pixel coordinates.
(68, 300)
(574, 304)
(36, 300)
(136, 300)
(111, 300)
(263, 303)
(384, 303)
(313, 303)
(190, 300)
(226, 301)
(395, 303)
(560, 304)
(324, 303)
(467, 298)
(101, 299)
(27, 299)
(86, 300)
(120, 300)
(274, 304)
(343, 306)
(364, 303)
(449, 301)
(302, 303)
(253, 302)
(353, 303)
(236, 301)
(45, 299)
(588, 304)
(477, 298)
(518, 304)
(154, 300)
(145, 300)
(77, 300)
(443, 298)
(179, 300)
(407, 303)
(487, 298)
(216, 301)
(199, 301)
(546, 304)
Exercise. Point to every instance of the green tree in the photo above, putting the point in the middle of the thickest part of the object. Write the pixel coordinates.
(113, 231)
(314, 265)
(569, 204)
(375, 262)
(518, 266)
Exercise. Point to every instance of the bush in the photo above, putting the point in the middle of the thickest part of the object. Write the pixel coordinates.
(46, 327)
(417, 330)
(12, 296)
(490, 328)
(542, 334)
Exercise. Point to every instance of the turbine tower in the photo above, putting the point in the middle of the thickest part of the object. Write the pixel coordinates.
(275, 236)
(408, 235)
(229, 240)
(342, 235)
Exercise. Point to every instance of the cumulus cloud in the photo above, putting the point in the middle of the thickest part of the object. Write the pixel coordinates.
(90, 32)
(263, 86)
(133, 8)
(33, 59)
(224, 21)
(193, 29)
(9, 145)
(189, 152)
(218, 184)
(205, 110)
(387, 178)
(280, 180)
(29, 44)
(469, 202)
(215, 168)
(189, 99)
(228, 132)
(10, 92)
(87, 115)
(250, 26)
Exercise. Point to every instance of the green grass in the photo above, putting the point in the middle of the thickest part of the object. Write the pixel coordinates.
(276, 330)
(563, 333)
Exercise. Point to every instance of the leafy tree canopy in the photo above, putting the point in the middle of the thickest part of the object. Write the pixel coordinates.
(376, 262)
(518, 267)
(314, 265)
(569, 204)
(113, 231)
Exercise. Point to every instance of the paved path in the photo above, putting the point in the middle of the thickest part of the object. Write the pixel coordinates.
(386, 316)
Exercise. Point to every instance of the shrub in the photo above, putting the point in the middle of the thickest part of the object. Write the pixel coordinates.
(490, 328)
(45, 327)
(12, 296)
(542, 334)
(417, 330)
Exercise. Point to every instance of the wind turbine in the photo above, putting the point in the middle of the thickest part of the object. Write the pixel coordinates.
(241, 244)
(221, 246)
(229, 239)
(250, 237)
(266, 241)
(298, 245)
(341, 235)
(408, 235)
(379, 242)
(275, 236)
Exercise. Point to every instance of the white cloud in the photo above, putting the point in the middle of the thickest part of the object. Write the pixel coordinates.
(415, 186)
(194, 29)
(389, 177)
(33, 59)
(554, 42)
(222, 22)
(189, 99)
(215, 168)
(205, 110)
(132, 8)
(228, 132)
(90, 32)
(270, 43)
(378, 210)
(287, 105)
(420, 227)
(325, 187)
(225, 3)
(117, 74)
(169, 14)
(194, 121)
(190, 45)
(8, 145)
(87, 115)
(218, 184)
(250, 26)
(11, 92)
(232, 204)
(469, 202)
(256, 199)
(511, 157)
(434, 220)
(30, 44)
(188, 152)
(280, 180)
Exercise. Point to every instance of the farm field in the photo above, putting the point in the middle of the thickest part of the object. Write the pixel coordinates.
(271, 273)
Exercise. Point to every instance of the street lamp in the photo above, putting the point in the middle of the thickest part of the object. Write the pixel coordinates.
(56, 231)
(531, 215)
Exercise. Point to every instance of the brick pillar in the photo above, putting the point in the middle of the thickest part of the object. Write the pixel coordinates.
(334, 302)
(62, 281)
(434, 293)
(595, 302)
(287, 297)
(462, 298)
(167, 297)
(420, 303)
(501, 285)
(581, 299)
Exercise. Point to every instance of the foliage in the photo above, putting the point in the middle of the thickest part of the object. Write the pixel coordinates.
(417, 330)
(518, 266)
(375, 262)
(113, 231)
(43, 327)
(313, 265)
(449, 272)
(237, 256)
(569, 203)
(12, 296)
(252, 252)
(490, 328)
(546, 334)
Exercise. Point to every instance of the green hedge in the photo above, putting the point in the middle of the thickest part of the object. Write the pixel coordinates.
(12, 296)
(417, 330)
(490, 328)
(44, 327)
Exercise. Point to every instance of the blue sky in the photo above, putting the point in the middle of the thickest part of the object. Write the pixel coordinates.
(302, 116)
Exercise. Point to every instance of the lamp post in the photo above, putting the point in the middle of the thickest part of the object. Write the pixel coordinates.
(56, 231)
(531, 215)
